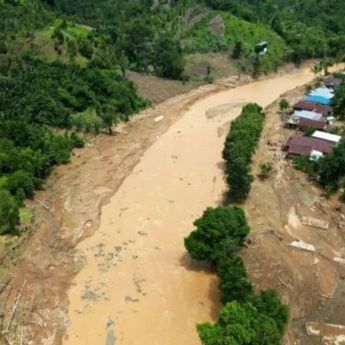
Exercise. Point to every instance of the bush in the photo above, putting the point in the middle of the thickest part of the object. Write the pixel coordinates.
(234, 284)
(265, 170)
(303, 163)
(9, 212)
(219, 230)
(240, 324)
(284, 104)
(309, 131)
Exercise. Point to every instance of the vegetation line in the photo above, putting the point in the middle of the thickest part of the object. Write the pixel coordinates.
(239, 148)
(246, 317)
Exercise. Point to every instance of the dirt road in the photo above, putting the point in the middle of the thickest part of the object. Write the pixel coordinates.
(137, 285)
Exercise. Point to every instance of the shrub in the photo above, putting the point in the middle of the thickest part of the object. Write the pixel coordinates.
(265, 170)
(9, 212)
(284, 104)
(309, 131)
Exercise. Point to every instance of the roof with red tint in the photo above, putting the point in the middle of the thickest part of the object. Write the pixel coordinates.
(312, 123)
(312, 106)
(333, 82)
(302, 145)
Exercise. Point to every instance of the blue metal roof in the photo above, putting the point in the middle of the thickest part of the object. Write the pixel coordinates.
(318, 99)
(323, 92)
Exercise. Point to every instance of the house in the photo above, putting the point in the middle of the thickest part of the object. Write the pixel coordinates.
(318, 99)
(300, 145)
(333, 83)
(325, 110)
(331, 138)
(305, 114)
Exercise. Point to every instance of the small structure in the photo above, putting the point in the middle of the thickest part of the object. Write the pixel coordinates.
(328, 137)
(325, 110)
(318, 99)
(333, 83)
(315, 155)
(300, 145)
(261, 48)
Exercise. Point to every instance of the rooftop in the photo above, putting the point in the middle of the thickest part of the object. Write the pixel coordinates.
(333, 82)
(327, 136)
(322, 92)
(303, 145)
(311, 115)
(318, 99)
(303, 123)
(312, 106)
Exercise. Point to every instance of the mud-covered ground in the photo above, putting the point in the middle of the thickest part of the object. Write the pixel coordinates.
(38, 272)
(312, 283)
(39, 267)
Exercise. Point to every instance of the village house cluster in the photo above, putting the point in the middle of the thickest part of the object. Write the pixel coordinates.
(314, 111)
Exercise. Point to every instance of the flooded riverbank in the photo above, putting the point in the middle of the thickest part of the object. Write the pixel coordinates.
(137, 285)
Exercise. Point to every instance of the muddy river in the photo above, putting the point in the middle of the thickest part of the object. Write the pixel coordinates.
(137, 286)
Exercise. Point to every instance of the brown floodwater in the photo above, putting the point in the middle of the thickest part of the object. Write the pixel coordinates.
(137, 286)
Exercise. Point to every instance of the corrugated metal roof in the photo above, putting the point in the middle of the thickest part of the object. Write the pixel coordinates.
(312, 106)
(327, 136)
(318, 99)
(333, 82)
(322, 92)
(303, 123)
(302, 145)
(311, 115)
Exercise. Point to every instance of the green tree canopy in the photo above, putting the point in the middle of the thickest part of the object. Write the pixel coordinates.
(218, 229)
(9, 213)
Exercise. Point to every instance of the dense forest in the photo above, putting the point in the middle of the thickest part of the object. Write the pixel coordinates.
(63, 66)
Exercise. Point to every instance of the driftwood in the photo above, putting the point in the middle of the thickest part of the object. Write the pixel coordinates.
(15, 306)
(43, 204)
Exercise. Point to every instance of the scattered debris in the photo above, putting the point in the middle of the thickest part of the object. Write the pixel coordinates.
(340, 260)
(303, 245)
(15, 306)
(111, 339)
(331, 334)
(315, 223)
(89, 295)
(110, 323)
(159, 118)
(131, 299)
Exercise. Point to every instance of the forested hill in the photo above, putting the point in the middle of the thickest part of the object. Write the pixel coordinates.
(64, 63)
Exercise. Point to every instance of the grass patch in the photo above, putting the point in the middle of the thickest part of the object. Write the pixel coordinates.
(25, 215)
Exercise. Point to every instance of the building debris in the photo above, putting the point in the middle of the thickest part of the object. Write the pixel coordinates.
(303, 245)
(330, 334)
(159, 118)
(315, 223)
(340, 260)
